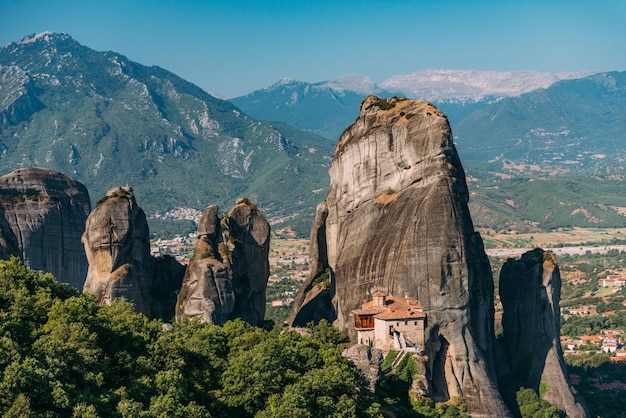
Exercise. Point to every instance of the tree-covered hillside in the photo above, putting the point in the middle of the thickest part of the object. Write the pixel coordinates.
(525, 204)
(107, 121)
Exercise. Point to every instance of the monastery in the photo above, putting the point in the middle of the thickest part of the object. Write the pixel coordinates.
(390, 322)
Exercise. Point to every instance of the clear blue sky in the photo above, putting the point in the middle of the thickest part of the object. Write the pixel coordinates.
(234, 47)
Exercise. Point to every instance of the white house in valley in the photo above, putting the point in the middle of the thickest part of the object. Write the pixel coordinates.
(390, 322)
(613, 280)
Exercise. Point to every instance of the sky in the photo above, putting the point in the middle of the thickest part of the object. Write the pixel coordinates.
(233, 48)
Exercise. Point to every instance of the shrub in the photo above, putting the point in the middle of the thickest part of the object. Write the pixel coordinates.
(388, 361)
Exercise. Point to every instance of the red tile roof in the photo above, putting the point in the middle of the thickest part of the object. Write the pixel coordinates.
(394, 308)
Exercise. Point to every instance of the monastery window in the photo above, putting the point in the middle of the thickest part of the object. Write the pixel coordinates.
(390, 329)
(363, 321)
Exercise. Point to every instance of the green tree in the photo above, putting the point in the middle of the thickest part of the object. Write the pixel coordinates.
(325, 333)
(531, 406)
(25, 298)
(20, 408)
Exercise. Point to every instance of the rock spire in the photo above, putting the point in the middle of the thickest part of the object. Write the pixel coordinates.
(117, 244)
(398, 223)
(530, 291)
(227, 275)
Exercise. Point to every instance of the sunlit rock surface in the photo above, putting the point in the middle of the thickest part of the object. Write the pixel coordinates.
(117, 244)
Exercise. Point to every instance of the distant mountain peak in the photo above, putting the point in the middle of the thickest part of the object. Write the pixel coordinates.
(286, 81)
(43, 36)
(357, 83)
(35, 37)
(108, 120)
(353, 82)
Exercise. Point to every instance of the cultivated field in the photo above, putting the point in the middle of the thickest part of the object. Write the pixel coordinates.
(592, 237)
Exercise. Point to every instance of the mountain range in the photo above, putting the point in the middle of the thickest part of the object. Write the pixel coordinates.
(328, 107)
(570, 126)
(108, 121)
(509, 128)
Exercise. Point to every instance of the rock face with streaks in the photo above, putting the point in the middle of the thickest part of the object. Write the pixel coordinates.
(117, 245)
(207, 291)
(398, 223)
(530, 292)
(8, 241)
(43, 217)
(227, 275)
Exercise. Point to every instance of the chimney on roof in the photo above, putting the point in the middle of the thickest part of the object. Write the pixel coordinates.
(379, 299)
(406, 295)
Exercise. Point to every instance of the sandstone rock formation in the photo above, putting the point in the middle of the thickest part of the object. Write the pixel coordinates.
(117, 245)
(207, 291)
(398, 222)
(530, 292)
(315, 297)
(227, 275)
(249, 232)
(43, 217)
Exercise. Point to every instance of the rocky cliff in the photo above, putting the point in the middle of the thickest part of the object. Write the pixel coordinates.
(398, 222)
(227, 275)
(117, 245)
(44, 218)
(314, 300)
(530, 292)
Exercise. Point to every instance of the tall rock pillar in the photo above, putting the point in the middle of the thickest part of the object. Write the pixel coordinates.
(530, 290)
(228, 273)
(398, 223)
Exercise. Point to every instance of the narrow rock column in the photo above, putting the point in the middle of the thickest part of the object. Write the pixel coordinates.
(117, 244)
(228, 273)
(530, 291)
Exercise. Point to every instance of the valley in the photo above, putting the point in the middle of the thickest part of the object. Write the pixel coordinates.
(289, 257)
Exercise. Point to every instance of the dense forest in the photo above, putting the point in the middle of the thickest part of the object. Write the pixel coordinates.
(63, 355)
